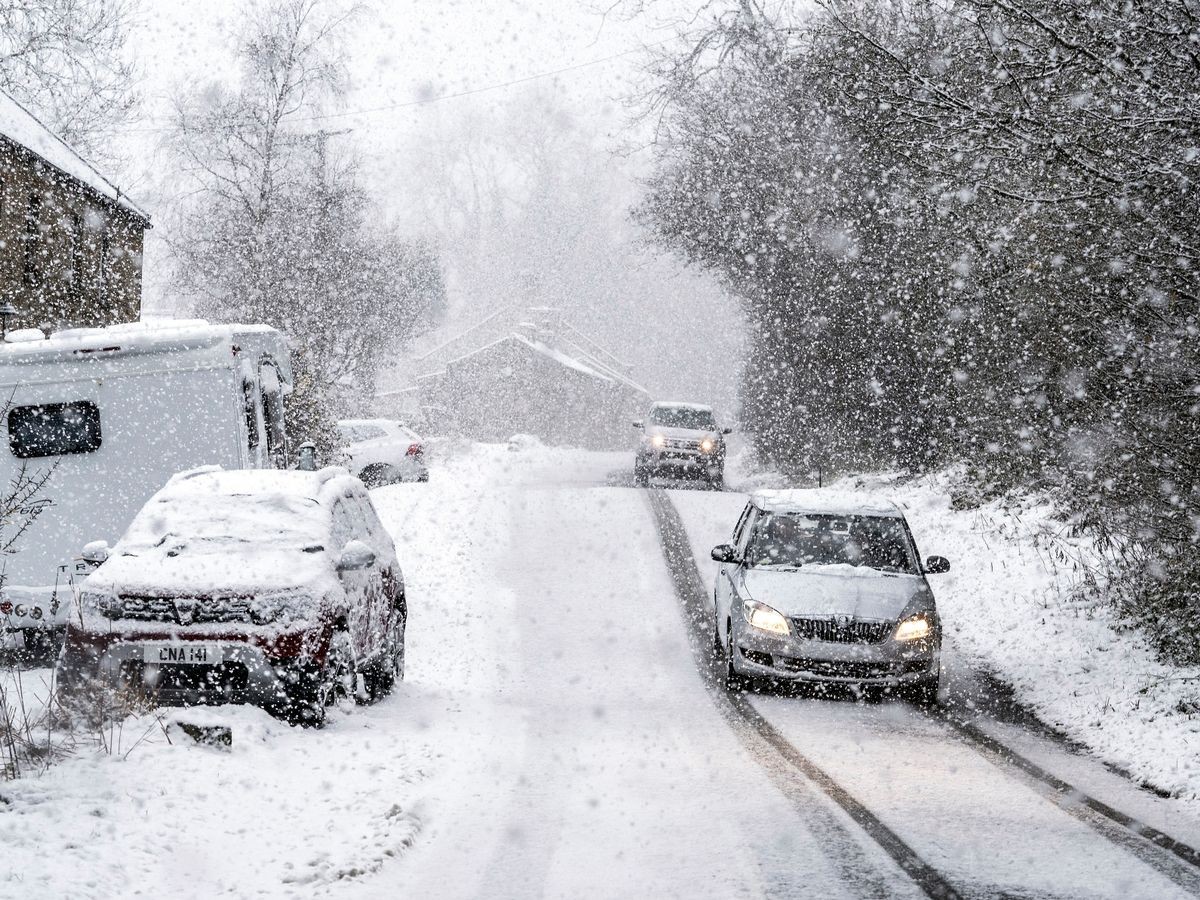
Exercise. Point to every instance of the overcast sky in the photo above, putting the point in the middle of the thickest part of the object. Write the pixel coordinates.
(426, 77)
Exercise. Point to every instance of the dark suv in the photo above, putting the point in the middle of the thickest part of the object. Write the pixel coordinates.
(279, 588)
(680, 439)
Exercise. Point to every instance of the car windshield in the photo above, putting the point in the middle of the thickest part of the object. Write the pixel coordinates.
(231, 523)
(683, 417)
(791, 539)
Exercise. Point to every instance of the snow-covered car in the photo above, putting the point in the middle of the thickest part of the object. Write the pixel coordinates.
(382, 451)
(680, 439)
(825, 588)
(278, 588)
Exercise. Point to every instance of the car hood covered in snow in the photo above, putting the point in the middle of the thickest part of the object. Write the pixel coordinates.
(835, 590)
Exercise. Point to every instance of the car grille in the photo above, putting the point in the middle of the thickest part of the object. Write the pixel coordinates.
(163, 609)
(843, 631)
(682, 444)
(841, 668)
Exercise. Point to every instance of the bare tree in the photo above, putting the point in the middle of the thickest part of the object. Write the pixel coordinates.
(279, 230)
(66, 61)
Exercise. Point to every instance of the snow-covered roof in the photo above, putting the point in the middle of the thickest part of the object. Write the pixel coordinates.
(823, 501)
(551, 353)
(215, 481)
(678, 404)
(562, 358)
(146, 337)
(21, 127)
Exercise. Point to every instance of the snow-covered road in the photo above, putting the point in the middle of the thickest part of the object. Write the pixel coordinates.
(560, 734)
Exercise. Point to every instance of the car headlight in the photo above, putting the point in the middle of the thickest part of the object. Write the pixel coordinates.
(764, 618)
(658, 440)
(278, 608)
(106, 605)
(914, 628)
(707, 445)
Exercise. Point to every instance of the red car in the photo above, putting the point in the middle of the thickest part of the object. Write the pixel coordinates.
(279, 588)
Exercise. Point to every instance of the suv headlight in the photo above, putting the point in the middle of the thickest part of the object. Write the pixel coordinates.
(658, 440)
(707, 445)
(914, 628)
(764, 618)
(281, 608)
(107, 605)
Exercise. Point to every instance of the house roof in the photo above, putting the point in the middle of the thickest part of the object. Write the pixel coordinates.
(22, 128)
(583, 364)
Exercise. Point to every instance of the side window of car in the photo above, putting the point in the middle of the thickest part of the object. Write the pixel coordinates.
(343, 526)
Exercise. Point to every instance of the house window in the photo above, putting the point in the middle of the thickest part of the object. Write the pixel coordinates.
(52, 429)
(33, 241)
(102, 272)
(77, 256)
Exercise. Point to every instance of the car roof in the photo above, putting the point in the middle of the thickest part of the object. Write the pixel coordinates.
(322, 485)
(823, 501)
(678, 404)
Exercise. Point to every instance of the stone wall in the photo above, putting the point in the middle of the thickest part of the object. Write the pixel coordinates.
(68, 256)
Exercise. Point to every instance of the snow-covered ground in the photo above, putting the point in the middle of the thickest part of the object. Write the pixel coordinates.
(554, 738)
(1006, 610)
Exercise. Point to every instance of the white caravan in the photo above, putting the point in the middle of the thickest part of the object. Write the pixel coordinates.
(104, 416)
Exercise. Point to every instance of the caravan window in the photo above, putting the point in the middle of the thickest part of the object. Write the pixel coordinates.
(54, 429)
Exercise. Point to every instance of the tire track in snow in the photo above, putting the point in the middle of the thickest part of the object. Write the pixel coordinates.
(1143, 841)
(769, 747)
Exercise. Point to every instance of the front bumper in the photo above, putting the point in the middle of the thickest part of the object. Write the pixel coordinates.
(683, 461)
(265, 673)
(888, 664)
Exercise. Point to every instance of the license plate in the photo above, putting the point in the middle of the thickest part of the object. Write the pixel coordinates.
(183, 654)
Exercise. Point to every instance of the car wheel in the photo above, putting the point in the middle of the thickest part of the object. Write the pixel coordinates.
(379, 475)
(717, 482)
(641, 477)
(391, 665)
(340, 676)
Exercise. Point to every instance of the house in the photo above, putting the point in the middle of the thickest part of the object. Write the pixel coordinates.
(70, 240)
(538, 376)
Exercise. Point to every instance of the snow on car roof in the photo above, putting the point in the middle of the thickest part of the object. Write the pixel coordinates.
(216, 481)
(23, 128)
(677, 404)
(824, 502)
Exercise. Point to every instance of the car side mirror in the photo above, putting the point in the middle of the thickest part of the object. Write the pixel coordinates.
(355, 557)
(725, 553)
(639, 423)
(94, 552)
(726, 431)
(936, 565)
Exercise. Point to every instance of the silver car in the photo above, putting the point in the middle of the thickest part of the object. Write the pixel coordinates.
(820, 588)
(680, 439)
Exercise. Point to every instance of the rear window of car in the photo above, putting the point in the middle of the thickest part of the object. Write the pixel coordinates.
(54, 429)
